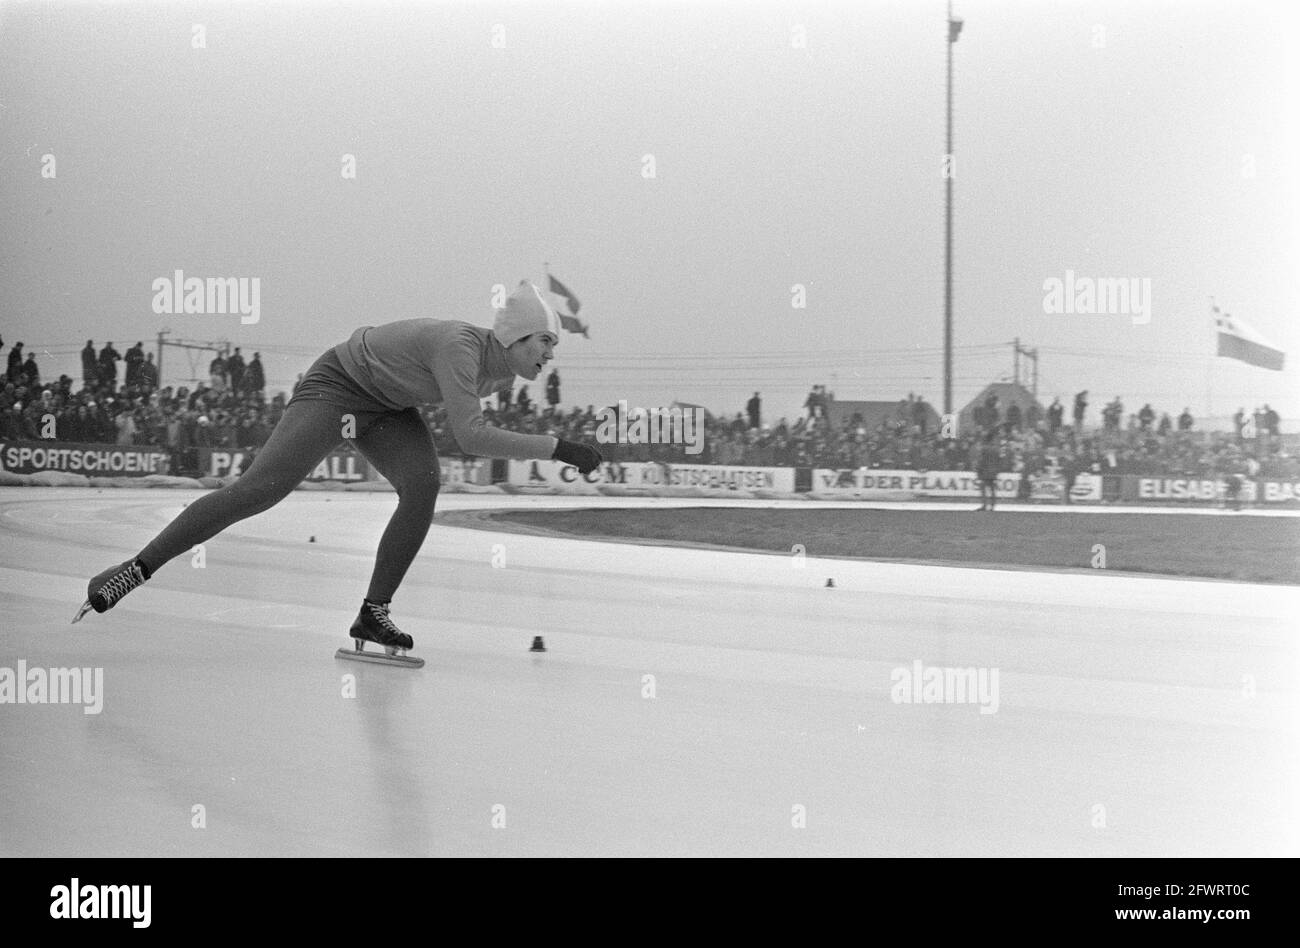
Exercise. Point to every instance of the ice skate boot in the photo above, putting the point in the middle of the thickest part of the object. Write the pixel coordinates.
(104, 591)
(374, 625)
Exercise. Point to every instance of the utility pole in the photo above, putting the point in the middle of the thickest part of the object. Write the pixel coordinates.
(949, 170)
(1030, 354)
(161, 343)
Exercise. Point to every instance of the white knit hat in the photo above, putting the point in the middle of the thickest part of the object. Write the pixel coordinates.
(525, 312)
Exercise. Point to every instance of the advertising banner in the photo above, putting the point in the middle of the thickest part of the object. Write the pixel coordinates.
(1185, 489)
(1086, 489)
(341, 464)
(91, 460)
(1279, 492)
(716, 476)
(558, 477)
(459, 471)
(874, 483)
(878, 481)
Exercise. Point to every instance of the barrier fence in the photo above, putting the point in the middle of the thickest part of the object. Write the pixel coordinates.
(347, 466)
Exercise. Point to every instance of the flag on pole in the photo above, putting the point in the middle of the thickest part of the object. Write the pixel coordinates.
(1239, 340)
(559, 289)
(570, 320)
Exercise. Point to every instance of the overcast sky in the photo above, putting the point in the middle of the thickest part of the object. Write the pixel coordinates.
(1138, 139)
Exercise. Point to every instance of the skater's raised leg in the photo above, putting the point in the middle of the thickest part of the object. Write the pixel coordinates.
(307, 432)
(400, 448)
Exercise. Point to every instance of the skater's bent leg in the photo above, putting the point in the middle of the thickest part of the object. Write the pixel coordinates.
(400, 447)
(305, 434)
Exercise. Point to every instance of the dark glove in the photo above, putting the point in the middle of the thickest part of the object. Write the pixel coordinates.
(582, 456)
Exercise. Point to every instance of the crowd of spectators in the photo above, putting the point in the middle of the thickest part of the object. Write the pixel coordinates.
(1032, 440)
(231, 411)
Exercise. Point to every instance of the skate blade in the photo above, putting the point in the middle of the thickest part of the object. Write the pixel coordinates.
(379, 658)
(85, 607)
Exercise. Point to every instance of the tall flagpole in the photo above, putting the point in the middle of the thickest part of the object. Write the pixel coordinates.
(954, 30)
(1209, 368)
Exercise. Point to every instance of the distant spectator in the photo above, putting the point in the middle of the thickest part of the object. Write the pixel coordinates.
(754, 408)
(89, 364)
(32, 372)
(256, 375)
(235, 369)
(108, 360)
(1239, 423)
(11, 423)
(1272, 422)
(553, 388)
(1055, 414)
(1185, 420)
(1166, 423)
(988, 464)
(76, 425)
(917, 416)
(217, 378)
(28, 419)
(1146, 416)
(523, 401)
(1069, 472)
(1112, 414)
(126, 429)
(15, 363)
(134, 357)
(173, 431)
(1234, 481)
(816, 402)
(101, 428)
(148, 373)
(1080, 409)
(1013, 417)
(988, 416)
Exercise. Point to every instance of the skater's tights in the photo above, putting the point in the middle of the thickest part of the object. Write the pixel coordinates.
(397, 443)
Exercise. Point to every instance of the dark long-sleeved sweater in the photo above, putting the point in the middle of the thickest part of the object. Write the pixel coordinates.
(431, 361)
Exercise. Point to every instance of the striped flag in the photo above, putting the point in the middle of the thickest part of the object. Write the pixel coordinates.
(1239, 340)
(570, 320)
(559, 289)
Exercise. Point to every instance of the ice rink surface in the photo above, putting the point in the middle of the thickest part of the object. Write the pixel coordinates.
(691, 702)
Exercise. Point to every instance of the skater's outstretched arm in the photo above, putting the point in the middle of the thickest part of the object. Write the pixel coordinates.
(456, 371)
(455, 368)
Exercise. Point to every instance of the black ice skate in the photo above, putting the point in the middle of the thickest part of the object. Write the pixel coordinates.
(374, 625)
(104, 591)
